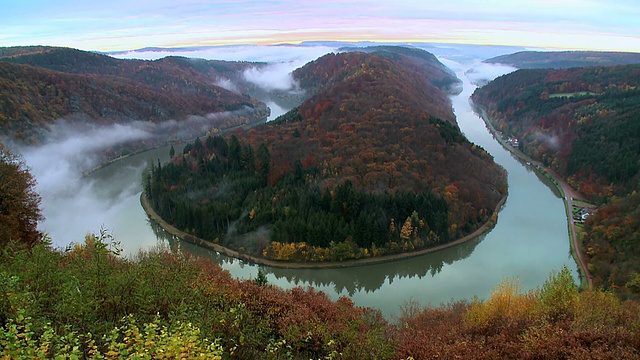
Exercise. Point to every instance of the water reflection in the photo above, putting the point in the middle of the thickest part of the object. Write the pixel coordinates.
(358, 279)
(370, 278)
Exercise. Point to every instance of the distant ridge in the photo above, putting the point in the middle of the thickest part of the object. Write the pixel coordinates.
(41, 84)
(565, 59)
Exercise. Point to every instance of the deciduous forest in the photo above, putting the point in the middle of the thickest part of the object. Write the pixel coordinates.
(41, 85)
(565, 59)
(585, 124)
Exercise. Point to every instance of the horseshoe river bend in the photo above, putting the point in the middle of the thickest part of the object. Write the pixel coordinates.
(529, 240)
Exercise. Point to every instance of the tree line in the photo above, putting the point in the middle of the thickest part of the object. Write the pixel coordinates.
(218, 190)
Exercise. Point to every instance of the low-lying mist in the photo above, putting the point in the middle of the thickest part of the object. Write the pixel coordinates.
(275, 76)
(272, 71)
(482, 73)
(74, 203)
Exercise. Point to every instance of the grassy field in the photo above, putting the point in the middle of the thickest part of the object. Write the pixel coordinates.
(582, 203)
(579, 93)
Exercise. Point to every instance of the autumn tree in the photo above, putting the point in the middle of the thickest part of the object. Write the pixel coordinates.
(19, 211)
(407, 230)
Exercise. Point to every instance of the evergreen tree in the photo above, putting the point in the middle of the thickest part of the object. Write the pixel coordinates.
(235, 153)
(265, 162)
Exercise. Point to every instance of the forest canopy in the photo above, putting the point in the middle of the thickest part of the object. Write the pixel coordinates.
(584, 123)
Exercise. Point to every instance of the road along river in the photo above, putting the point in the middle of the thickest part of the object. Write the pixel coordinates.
(529, 240)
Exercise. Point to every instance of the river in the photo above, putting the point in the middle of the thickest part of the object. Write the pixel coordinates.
(529, 240)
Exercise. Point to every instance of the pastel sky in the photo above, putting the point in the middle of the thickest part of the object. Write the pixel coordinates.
(109, 25)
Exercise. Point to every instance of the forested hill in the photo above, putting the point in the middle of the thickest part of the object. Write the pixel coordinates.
(565, 59)
(173, 73)
(369, 107)
(422, 62)
(375, 151)
(585, 124)
(336, 70)
(39, 85)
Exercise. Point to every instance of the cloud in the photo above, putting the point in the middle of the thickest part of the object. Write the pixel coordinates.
(552, 141)
(76, 146)
(252, 53)
(71, 204)
(226, 84)
(274, 76)
(481, 73)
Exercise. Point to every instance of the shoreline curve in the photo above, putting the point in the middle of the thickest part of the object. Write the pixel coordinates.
(568, 195)
(488, 225)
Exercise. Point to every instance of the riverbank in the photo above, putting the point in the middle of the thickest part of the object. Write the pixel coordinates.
(568, 195)
(321, 265)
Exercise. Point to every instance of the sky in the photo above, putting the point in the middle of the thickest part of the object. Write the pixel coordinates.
(114, 25)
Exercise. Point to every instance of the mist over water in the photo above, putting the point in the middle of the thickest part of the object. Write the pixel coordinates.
(276, 110)
(71, 203)
(274, 76)
(74, 204)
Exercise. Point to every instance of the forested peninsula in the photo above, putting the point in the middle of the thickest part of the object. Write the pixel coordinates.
(584, 123)
(371, 164)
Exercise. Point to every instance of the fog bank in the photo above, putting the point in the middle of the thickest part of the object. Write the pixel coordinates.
(72, 204)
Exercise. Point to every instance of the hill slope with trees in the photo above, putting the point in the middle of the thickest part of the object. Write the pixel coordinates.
(372, 163)
(584, 123)
(40, 85)
(565, 59)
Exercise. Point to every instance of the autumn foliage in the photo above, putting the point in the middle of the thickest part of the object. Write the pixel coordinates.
(19, 203)
(581, 122)
(88, 302)
(584, 123)
(40, 85)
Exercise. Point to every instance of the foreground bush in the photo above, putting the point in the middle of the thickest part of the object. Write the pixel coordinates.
(88, 302)
(553, 322)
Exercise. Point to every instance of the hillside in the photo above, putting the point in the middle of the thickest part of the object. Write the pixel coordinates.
(584, 123)
(183, 75)
(39, 85)
(372, 164)
(420, 61)
(565, 59)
